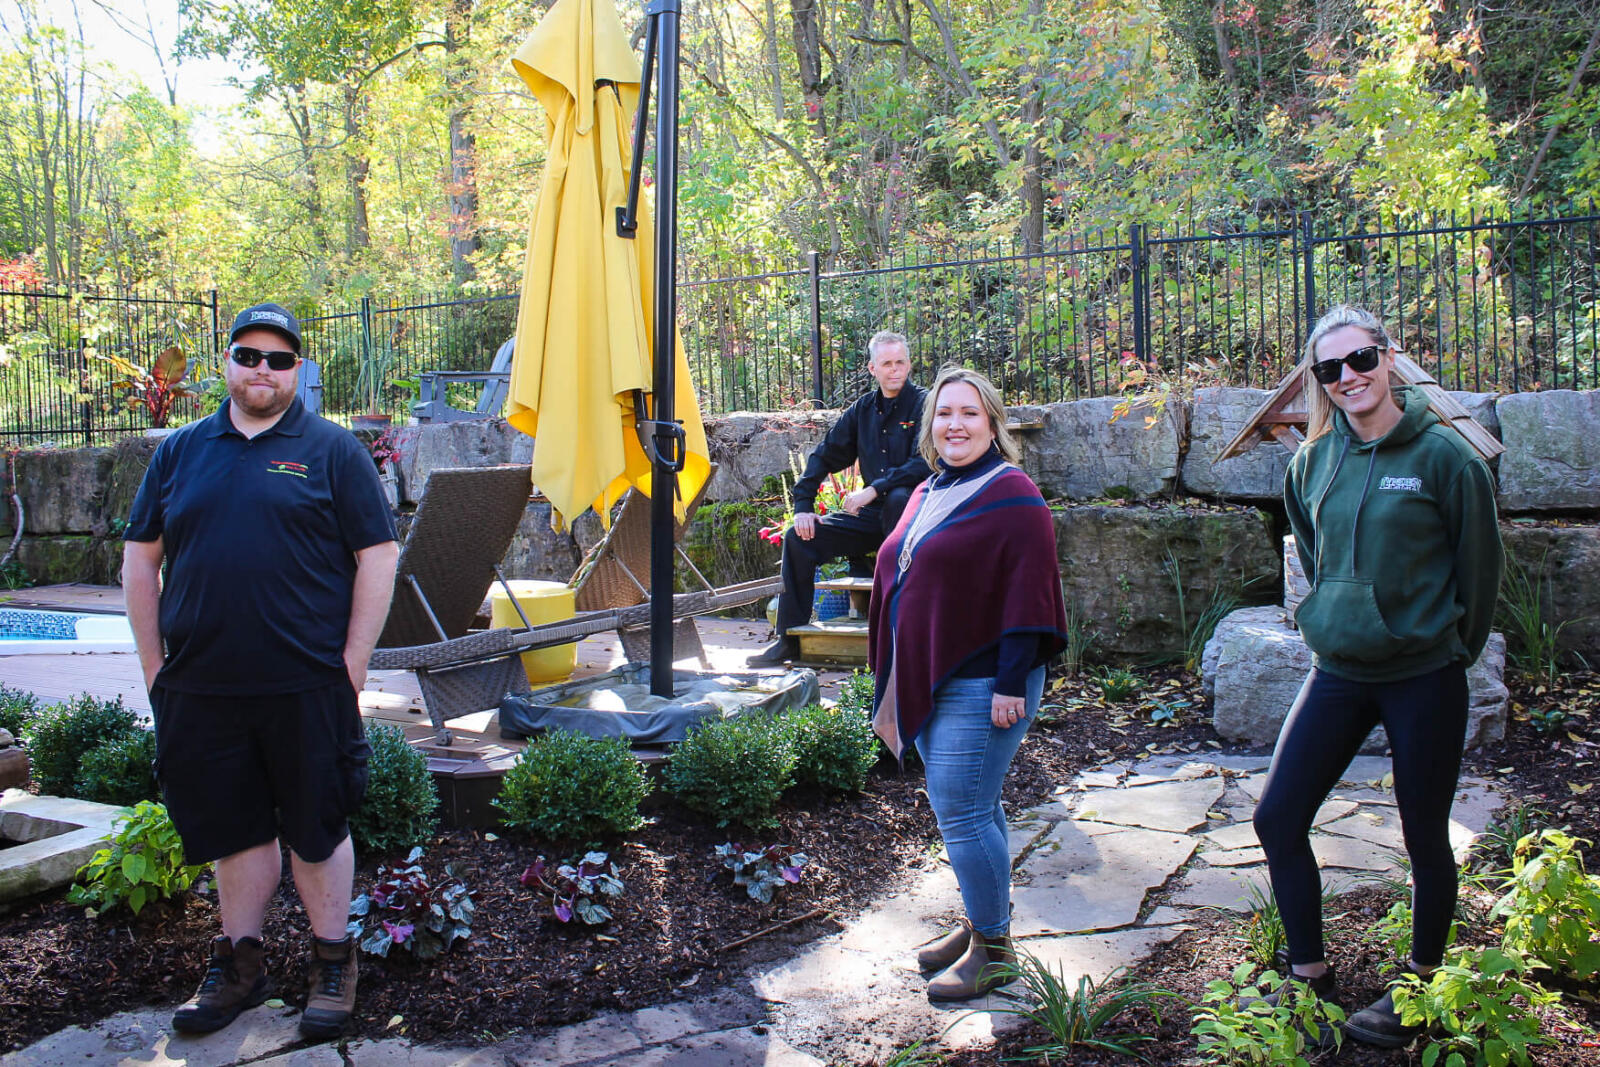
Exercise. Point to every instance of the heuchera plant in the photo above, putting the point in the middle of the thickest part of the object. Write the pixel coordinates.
(405, 909)
(763, 872)
(575, 892)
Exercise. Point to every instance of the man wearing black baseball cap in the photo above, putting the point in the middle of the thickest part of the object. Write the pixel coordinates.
(280, 555)
(274, 317)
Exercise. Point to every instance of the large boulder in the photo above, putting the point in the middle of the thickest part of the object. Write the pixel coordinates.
(1122, 567)
(1482, 407)
(71, 558)
(1552, 457)
(466, 443)
(1559, 563)
(1218, 416)
(747, 449)
(63, 490)
(1255, 665)
(1079, 453)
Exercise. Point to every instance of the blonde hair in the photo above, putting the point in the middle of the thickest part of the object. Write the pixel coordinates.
(993, 407)
(1319, 413)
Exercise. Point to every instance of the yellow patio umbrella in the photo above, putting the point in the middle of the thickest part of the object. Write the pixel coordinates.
(584, 325)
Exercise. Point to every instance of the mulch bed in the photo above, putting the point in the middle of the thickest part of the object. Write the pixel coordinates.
(675, 930)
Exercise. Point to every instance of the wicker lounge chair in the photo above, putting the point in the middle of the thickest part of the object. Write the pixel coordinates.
(461, 532)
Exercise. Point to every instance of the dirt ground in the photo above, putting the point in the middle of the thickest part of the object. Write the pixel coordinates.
(681, 926)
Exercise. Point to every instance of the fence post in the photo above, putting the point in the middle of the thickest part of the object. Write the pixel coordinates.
(216, 321)
(1141, 309)
(814, 275)
(1308, 250)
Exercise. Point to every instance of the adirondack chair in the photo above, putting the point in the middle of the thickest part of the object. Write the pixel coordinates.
(433, 388)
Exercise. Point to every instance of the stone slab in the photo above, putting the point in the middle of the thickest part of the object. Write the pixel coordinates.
(749, 448)
(1216, 417)
(144, 1039)
(1353, 854)
(1086, 878)
(1097, 955)
(1179, 806)
(1239, 857)
(1167, 769)
(1376, 826)
(76, 830)
(1218, 887)
(1552, 457)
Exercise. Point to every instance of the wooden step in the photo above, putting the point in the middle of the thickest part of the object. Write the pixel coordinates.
(833, 642)
(845, 585)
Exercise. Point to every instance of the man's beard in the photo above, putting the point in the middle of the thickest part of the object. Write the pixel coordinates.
(277, 403)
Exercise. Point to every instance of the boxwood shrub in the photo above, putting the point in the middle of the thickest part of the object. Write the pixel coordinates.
(568, 787)
(401, 808)
(734, 771)
(834, 748)
(121, 771)
(62, 734)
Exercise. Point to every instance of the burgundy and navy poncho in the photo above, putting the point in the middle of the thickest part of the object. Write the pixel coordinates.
(986, 571)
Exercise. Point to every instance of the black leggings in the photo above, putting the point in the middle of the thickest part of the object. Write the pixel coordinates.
(1426, 720)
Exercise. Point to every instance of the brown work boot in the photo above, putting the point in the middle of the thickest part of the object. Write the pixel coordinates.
(331, 976)
(938, 955)
(235, 980)
(986, 965)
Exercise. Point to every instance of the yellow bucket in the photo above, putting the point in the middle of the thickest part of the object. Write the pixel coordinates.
(543, 602)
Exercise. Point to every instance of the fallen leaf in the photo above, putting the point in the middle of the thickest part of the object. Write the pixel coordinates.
(1580, 789)
(275, 1002)
(491, 837)
(1505, 770)
(394, 1021)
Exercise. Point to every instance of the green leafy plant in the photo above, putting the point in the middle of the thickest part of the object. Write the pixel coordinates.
(1118, 683)
(1533, 643)
(144, 862)
(406, 909)
(401, 806)
(1552, 906)
(1481, 999)
(1081, 1016)
(569, 787)
(834, 748)
(917, 1054)
(1221, 601)
(13, 575)
(1167, 712)
(1236, 1026)
(763, 872)
(1547, 720)
(120, 771)
(576, 891)
(1081, 635)
(60, 735)
(17, 708)
(1505, 831)
(856, 693)
(1261, 929)
(733, 770)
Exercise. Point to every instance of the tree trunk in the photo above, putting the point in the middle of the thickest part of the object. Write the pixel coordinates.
(808, 53)
(1230, 72)
(356, 165)
(1032, 152)
(462, 190)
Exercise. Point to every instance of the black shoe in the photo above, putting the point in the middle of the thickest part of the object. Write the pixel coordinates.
(776, 654)
(1379, 1024)
(1324, 987)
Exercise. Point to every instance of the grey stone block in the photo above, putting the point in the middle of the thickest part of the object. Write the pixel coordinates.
(748, 448)
(1116, 575)
(467, 443)
(62, 490)
(1217, 417)
(1552, 457)
(1081, 454)
(1255, 664)
(1562, 562)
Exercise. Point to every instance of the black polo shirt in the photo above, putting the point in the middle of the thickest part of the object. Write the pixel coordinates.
(260, 538)
(879, 432)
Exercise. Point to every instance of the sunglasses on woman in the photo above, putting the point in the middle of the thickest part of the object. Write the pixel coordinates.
(1328, 371)
(246, 356)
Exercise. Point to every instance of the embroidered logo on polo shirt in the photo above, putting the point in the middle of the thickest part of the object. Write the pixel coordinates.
(908, 425)
(283, 466)
(1407, 485)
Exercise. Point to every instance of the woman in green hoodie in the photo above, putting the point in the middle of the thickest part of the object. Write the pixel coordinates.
(1394, 521)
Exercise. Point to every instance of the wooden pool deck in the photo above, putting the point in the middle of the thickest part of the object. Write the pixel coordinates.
(467, 771)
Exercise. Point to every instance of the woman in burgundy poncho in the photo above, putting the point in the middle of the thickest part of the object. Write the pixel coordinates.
(966, 611)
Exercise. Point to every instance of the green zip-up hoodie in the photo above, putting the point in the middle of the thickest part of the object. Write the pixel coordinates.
(1400, 545)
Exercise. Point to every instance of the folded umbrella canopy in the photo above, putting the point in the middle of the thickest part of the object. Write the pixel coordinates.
(584, 325)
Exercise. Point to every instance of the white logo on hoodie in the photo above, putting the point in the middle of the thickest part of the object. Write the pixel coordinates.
(1409, 485)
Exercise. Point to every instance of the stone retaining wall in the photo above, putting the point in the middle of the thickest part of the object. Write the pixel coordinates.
(1113, 557)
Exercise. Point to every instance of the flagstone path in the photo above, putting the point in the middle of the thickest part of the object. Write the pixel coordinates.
(1116, 864)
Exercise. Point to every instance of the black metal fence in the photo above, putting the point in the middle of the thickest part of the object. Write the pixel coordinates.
(1487, 304)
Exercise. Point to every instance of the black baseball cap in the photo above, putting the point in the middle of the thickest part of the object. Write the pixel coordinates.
(273, 317)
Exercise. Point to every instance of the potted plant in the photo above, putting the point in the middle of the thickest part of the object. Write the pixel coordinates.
(153, 390)
(371, 378)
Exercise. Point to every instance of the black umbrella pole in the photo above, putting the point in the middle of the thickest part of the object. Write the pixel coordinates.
(663, 477)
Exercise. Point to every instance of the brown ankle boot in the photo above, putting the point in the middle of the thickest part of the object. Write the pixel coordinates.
(235, 980)
(938, 955)
(986, 965)
(331, 976)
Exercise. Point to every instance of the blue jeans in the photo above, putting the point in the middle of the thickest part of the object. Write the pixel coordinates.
(967, 757)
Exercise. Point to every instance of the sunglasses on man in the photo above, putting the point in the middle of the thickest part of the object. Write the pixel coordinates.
(1362, 360)
(246, 356)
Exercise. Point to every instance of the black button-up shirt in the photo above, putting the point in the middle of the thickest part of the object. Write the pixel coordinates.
(880, 433)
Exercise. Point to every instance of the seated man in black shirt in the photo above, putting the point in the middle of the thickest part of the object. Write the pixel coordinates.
(880, 432)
